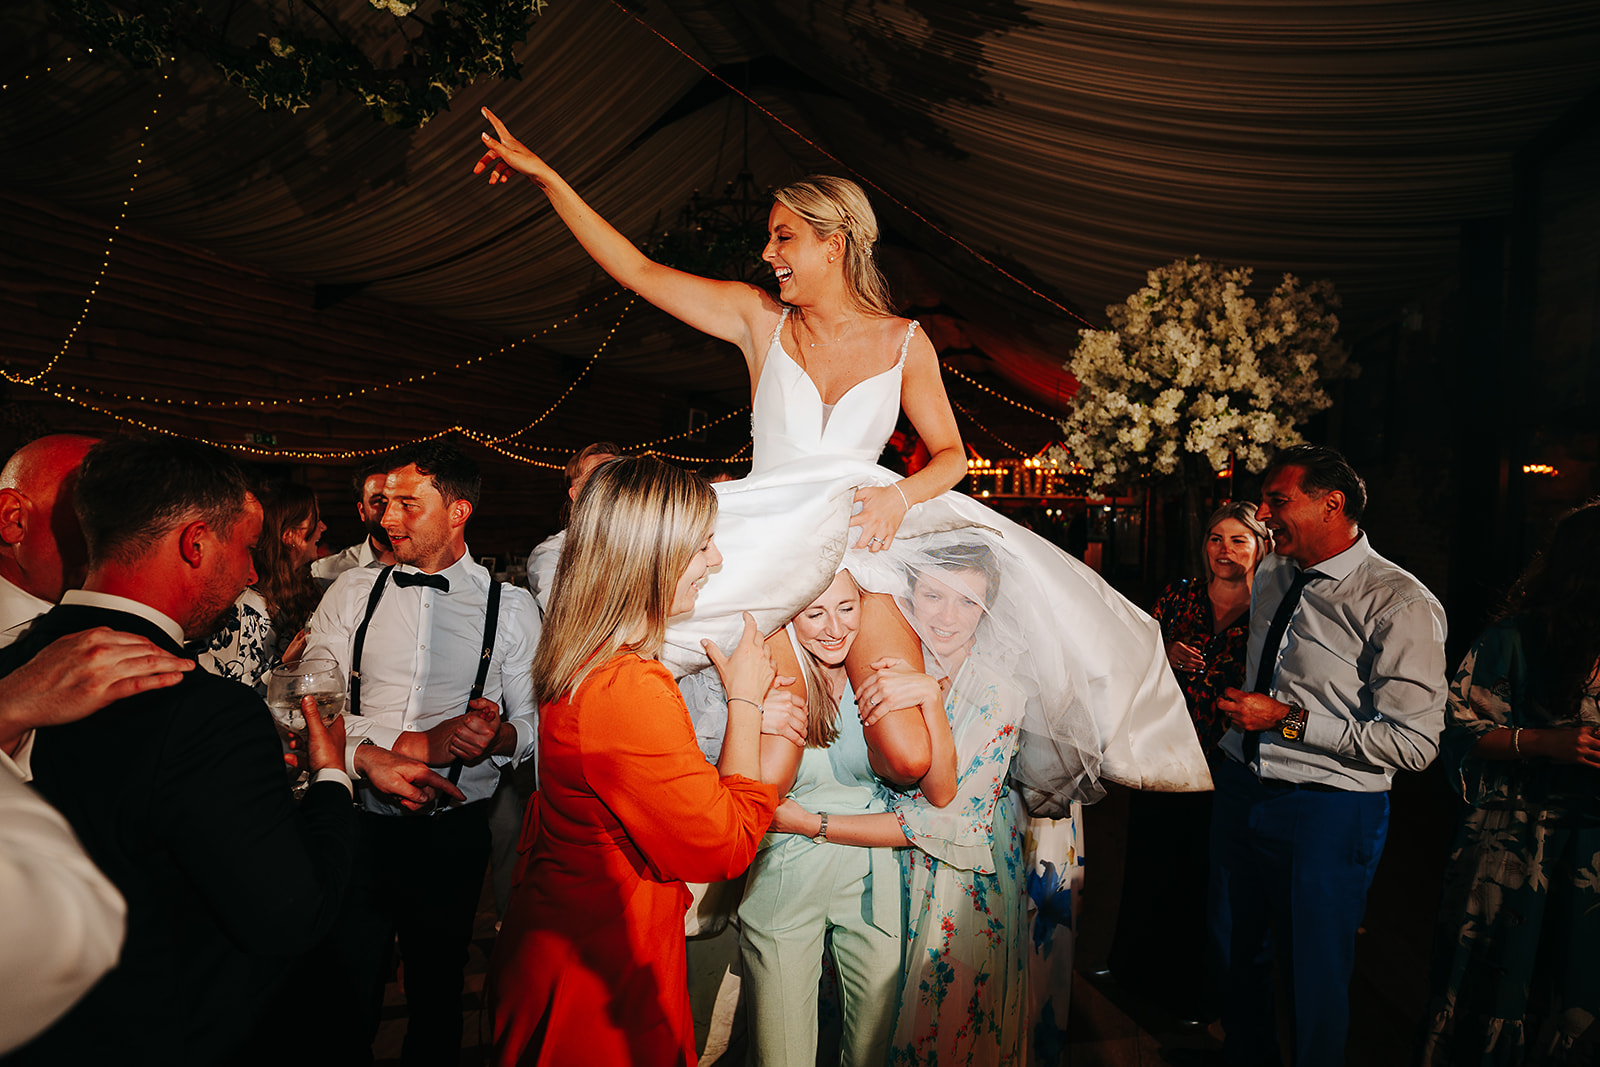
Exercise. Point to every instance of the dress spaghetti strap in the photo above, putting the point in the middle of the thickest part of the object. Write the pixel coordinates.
(905, 346)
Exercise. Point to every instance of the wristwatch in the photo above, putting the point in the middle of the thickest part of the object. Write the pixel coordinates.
(822, 831)
(1293, 725)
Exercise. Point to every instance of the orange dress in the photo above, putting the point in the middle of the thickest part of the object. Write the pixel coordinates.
(589, 964)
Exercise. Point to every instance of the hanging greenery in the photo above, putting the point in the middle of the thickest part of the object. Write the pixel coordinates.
(404, 58)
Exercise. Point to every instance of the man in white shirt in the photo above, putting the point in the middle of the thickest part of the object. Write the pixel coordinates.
(1347, 669)
(542, 560)
(41, 548)
(373, 550)
(414, 647)
(42, 554)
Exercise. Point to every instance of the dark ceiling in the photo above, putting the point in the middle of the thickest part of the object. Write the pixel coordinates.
(1030, 161)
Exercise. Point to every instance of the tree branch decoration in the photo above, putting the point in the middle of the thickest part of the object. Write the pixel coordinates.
(404, 62)
(1192, 366)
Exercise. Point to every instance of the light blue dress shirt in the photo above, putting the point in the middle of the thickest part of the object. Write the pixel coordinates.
(1364, 655)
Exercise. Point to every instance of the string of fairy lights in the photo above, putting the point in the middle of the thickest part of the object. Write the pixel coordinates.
(503, 444)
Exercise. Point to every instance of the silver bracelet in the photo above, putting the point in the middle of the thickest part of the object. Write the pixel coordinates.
(747, 700)
(902, 493)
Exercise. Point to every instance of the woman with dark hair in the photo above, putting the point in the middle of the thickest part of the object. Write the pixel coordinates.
(1159, 950)
(589, 966)
(1516, 967)
(831, 368)
(270, 614)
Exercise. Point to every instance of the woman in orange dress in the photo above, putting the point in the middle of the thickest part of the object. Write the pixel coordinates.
(589, 965)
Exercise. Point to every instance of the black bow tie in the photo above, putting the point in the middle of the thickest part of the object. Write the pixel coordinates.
(407, 579)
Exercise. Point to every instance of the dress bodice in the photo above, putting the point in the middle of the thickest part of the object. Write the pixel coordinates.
(789, 422)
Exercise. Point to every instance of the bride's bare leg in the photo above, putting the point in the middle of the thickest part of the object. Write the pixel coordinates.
(897, 744)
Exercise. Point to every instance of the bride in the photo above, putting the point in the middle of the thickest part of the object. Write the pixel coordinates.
(831, 366)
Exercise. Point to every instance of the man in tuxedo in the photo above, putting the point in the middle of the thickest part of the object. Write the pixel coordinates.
(179, 794)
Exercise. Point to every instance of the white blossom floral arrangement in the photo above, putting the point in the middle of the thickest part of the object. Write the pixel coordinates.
(1193, 366)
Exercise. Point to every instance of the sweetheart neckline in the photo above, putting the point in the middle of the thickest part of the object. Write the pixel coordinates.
(778, 343)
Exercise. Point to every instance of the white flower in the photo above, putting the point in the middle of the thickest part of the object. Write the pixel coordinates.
(1192, 364)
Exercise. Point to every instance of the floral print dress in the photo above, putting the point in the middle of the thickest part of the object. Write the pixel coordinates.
(1516, 972)
(965, 997)
(245, 645)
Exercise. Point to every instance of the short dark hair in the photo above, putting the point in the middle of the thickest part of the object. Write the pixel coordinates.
(380, 464)
(1322, 470)
(132, 490)
(454, 475)
(599, 448)
(968, 557)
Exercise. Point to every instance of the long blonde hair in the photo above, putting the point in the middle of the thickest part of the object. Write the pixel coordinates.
(635, 526)
(822, 710)
(832, 205)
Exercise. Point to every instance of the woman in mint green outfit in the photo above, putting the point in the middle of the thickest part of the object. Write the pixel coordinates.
(808, 895)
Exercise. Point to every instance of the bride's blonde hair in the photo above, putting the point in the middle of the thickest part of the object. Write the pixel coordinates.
(832, 205)
(635, 526)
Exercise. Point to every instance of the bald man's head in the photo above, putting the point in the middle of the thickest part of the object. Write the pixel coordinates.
(41, 546)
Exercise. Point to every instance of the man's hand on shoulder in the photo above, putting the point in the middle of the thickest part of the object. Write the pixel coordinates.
(77, 675)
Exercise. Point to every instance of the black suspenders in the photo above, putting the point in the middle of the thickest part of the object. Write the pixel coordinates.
(490, 623)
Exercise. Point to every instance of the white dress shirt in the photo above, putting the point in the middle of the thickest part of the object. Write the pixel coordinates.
(421, 657)
(1364, 655)
(542, 568)
(328, 568)
(61, 920)
(18, 608)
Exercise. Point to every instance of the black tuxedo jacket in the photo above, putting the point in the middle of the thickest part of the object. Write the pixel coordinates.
(180, 796)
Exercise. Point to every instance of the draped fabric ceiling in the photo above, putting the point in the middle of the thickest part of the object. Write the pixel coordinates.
(1030, 160)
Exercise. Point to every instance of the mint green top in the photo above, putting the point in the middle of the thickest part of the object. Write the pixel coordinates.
(838, 780)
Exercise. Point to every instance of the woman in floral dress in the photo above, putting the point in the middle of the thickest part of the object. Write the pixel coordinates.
(267, 616)
(965, 995)
(1516, 974)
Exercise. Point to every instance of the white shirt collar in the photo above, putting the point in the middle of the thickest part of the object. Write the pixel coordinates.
(17, 605)
(112, 602)
(462, 570)
(1339, 566)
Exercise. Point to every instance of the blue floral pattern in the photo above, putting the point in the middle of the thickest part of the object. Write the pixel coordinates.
(966, 996)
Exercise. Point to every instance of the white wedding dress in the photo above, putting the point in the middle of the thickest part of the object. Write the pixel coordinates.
(1101, 699)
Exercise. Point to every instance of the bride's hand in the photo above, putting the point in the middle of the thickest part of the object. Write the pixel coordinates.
(895, 685)
(507, 155)
(883, 508)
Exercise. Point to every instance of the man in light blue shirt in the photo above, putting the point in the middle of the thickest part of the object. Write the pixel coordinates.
(1347, 675)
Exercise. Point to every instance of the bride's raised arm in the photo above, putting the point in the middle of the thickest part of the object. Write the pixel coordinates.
(731, 311)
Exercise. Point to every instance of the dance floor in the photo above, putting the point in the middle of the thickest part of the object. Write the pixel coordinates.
(1111, 1028)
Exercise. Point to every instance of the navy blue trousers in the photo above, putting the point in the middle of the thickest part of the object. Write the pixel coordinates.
(1290, 870)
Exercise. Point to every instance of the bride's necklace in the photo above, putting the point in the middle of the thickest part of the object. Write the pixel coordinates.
(824, 344)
